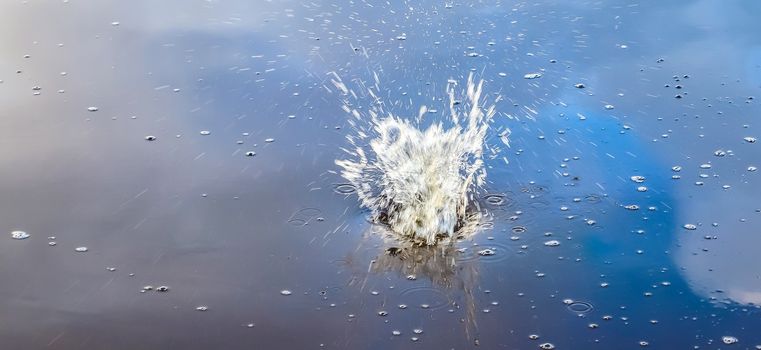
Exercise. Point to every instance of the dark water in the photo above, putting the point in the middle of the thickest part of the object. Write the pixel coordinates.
(231, 232)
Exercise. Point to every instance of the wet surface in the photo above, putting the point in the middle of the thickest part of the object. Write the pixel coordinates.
(191, 146)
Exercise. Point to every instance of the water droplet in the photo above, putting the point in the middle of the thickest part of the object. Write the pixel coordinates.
(205, 132)
(690, 227)
(202, 308)
(749, 139)
(150, 138)
(92, 109)
(546, 346)
(486, 252)
(81, 249)
(19, 235)
(552, 243)
(285, 292)
(729, 340)
(532, 75)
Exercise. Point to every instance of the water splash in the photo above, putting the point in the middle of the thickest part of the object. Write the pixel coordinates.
(422, 183)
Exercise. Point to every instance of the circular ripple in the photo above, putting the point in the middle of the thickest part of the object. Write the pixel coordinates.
(297, 222)
(519, 229)
(495, 199)
(417, 296)
(580, 307)
(309, 212)
(302, 216)
(593, 198)
(344, 188)
(497, 252)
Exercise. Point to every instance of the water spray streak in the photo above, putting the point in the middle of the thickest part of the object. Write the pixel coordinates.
(421, 183)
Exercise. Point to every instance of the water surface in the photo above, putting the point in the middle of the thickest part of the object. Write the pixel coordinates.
(644, 176)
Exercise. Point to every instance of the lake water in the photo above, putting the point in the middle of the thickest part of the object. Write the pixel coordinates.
(191, 145)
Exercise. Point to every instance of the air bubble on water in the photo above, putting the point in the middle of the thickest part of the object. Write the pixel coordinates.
(396, 333)
(150, 138)
(417, 331)
(205, 132)
(285, 292)
(638, 178)
(609, 107)
(81, 249)
(202, 308)
(92, 109)
(690, 227)
(270, 140)
(19, 235)
(749, 139)
(532, 75)
(546, 346)
(250, 154)
(552, 243)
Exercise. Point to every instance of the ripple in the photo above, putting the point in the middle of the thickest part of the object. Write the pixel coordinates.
(344, 188)
(519, 229)
(580, 307)
(302, 216)
(593, 198)
(297, 222)
(308, 212)
(496, 252)
(495, 200)
(431, 297)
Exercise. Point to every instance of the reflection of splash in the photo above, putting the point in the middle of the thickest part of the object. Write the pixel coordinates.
(452, 278)
(440, 265)
(418, 182)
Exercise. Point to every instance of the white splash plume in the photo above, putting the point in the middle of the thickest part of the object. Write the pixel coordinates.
(421, 183)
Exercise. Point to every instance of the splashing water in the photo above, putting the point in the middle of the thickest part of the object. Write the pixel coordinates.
(421, 183)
